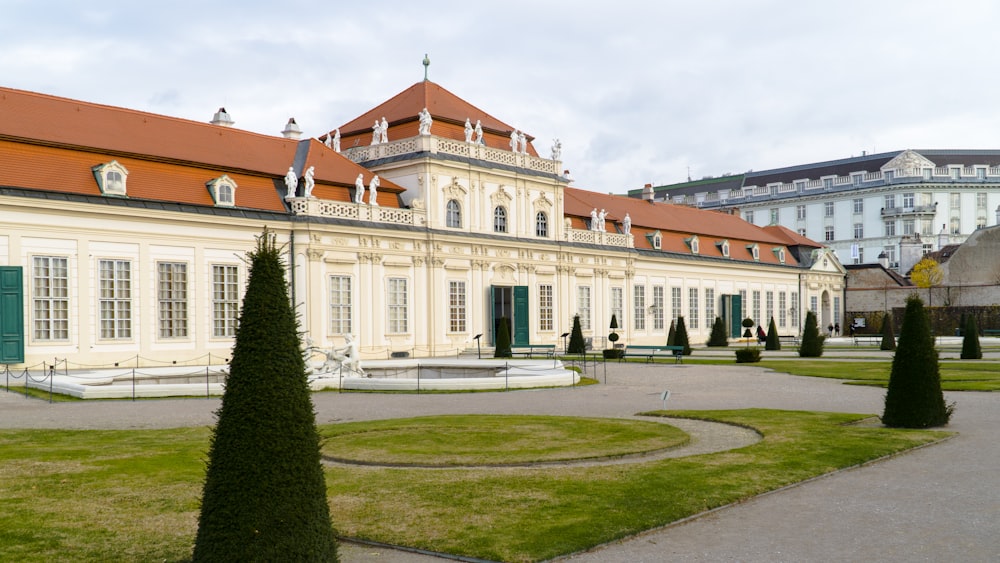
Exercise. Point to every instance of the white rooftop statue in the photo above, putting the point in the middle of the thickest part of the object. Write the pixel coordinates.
(523, 140)
(425, 122)
(513, 140)
(468, 130)
(310, 182)
(376, 132)
(479, 133)
(600, 220)
(336, 140)
(383, 132)
(593, 219)
(291, 182)
(359, 189)
(627, 224)
(373, 191)
(556, 149)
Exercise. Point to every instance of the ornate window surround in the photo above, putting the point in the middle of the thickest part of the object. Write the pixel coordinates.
(111, 178)
(223, 190)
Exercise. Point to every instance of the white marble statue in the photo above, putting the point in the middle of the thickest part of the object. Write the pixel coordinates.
(556, 149)
(291, 182)
(513, 140)
(350, 357)
(336, 140)
(383, 132)
(601, 217)
(373, 191)
(593, 219)
(627, 224)
(310, 182)
(345, 360)
(359, 189)
(523, 141)
(376, 132)
(468, 130)
(425, 122)
(479, 133)
(328, 141)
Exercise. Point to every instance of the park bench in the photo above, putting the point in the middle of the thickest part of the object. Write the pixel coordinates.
(789, 339)
(650, 352)
(867, 339)
(547, 350)
(991, 332)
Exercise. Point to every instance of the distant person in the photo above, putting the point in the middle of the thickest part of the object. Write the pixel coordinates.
(836, 329)
(761, 336)
(829, 329)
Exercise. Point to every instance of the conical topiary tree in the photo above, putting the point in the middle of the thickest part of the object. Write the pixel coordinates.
(577, 345)
(671, 334)
(718, 336)
(914, 398)
(772, 342)
(264, 496)
(812, 341)
(971, 350)
(681, 337)
(888, 333)
(501, 348)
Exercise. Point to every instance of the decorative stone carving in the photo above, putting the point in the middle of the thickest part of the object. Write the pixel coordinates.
(425, 122)
(291, 183)
(501, 197)
(309, 181)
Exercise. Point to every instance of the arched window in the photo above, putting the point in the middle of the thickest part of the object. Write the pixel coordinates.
(541, 224)
(454, 218)
(500, 219)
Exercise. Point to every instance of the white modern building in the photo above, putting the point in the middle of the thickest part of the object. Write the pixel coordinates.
(862, 207)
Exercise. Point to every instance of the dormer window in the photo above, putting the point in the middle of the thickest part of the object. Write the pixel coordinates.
(655, 240)
(223, 190)
(754, 251)
(111, 178)
(780, 254)
(692, 243)
(723, 248)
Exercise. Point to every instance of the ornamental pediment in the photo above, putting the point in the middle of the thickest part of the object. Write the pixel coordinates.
(908, 160)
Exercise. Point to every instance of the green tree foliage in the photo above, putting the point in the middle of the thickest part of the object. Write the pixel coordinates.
(914, 398)
(577, 345)
(772, 342)
(671, 334)
(971, 350)
(681, 337)
(264, 496)
(718, 336)
(888, 333)
(502, 347)
(812, 340)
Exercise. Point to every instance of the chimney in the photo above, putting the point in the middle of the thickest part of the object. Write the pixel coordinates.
(291, 130)
(883, 260)
(647, 192)
(943, 237)
(568, 176)
(222, 118)
(911, 250)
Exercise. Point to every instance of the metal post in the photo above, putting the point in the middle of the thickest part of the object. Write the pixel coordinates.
(133, 384)
(207, 393)
(51, 378)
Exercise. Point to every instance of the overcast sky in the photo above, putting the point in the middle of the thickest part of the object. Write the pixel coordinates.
(638, 92)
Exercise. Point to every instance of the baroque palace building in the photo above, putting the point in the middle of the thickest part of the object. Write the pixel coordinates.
(124, 233)
(889, 208)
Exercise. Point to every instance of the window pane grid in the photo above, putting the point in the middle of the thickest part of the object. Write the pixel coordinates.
(172, 297)
(50, 284)
(456, 305)
(658, 307)
(398, 301)
(115, 303)
(545, 305)
(693, 307)
(225, 300)
(639, 306)
(340, 305)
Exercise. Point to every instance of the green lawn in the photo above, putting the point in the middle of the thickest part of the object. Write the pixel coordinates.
(133, 495)
(955, 375)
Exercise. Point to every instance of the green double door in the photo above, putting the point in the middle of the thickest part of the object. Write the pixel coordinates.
(11, 315)
(510, 302)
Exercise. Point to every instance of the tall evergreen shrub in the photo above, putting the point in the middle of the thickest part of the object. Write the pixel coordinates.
(971, 350)
(812, 341)
(672, 334)
(502, 347)
(888, 333)
(914, 398)
(577, 345)
(264, 496)
(772, 342)
(718, 336)
(681, 337)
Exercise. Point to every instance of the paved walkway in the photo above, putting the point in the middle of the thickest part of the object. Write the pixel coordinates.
(940, 503)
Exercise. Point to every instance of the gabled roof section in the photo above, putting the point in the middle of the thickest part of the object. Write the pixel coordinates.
(791, 237)
(448, 111)
(677, 223)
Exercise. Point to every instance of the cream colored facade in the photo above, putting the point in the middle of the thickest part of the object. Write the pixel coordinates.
(398, 279)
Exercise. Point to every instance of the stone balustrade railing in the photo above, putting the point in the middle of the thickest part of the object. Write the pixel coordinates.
(433, 144)
(314, 207)
(600, 237)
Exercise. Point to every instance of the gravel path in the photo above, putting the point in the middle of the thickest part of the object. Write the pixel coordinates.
(940, 503)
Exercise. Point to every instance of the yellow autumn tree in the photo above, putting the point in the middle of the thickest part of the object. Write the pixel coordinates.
(927, 273)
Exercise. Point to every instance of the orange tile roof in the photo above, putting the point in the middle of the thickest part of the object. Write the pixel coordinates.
(676, 223)
(448, 110)
(51, 143)
(792, 238)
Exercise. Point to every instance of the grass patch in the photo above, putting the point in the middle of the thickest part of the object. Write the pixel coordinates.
(133, 495)
(955, 375)
(442, 441)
